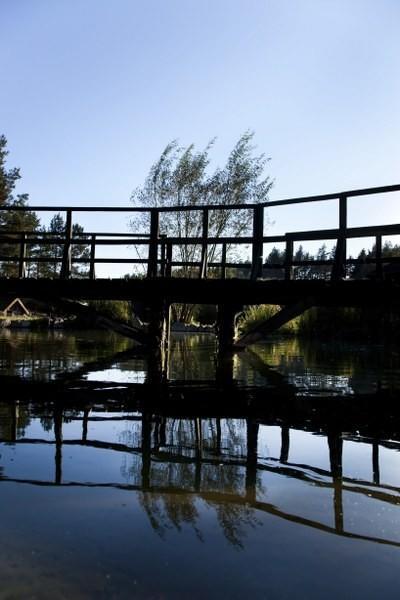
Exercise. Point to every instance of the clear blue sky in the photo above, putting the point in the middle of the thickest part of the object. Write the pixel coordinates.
(92, 90)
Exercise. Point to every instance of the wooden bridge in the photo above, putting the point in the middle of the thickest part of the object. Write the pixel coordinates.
(210, 277)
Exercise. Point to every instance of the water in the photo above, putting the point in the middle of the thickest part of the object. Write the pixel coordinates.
(283, 483)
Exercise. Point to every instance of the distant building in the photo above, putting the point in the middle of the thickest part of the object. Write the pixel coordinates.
(16, 308)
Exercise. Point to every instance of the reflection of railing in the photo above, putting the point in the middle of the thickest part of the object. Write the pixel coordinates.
(159, 246)
(157, 448)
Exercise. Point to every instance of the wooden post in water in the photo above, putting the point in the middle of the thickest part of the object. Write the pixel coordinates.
(335, 443)
(285, 441)
(85, 421)
(226, 330)
(57, 416)
(199, 453)
(251, 460)
(146, 451)
(159, 336)
(226, 326)
(375, 462)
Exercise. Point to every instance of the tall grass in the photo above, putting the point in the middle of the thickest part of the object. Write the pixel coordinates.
(254, 316)
(329, 322)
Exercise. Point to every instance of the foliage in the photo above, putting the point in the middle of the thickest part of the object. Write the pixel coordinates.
(120, 310)
(349, 323)
(181, 177)
(257, 314)
(14, 221)
(55, 251)
(8, 178)
(205, 314)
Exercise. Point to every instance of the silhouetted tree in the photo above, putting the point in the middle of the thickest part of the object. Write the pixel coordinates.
(12, 221)
(181, 177)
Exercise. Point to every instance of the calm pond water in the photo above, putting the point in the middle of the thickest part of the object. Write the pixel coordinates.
(283, 483)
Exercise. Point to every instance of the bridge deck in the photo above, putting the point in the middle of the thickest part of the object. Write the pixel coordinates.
(212, 291)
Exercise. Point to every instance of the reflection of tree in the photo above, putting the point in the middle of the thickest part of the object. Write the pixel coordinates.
(192, 357)
(14, 420)
(42, 355)
(188, 461)
(168, 511)
(335, 366)
(234, 519)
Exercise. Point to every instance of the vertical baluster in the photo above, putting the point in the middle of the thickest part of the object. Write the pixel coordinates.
(204, 246)
(288, 258)
(66, 261)
(258, 234)
(223, 261)
(168, 270)
(22, 257)
(92, 273)
(378, 256)
(339, 265)
(163, 249)
(153, 244)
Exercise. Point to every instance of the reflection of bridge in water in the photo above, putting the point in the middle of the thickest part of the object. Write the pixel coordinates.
(222, 461)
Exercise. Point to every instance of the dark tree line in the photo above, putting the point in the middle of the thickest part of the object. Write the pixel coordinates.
(14, 222)
(309, 271)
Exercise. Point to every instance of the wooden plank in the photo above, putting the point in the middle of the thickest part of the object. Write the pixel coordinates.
(268, 204)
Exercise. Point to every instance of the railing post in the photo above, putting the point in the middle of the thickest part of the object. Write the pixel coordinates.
(258, 234)
(163, 249)
(204, 246)
(223, 261)
(92, 274)
(22, 257)
(153, 244)
(339, 265)
(168, 267)
(288, 259)
(66, 260)
(378, 257)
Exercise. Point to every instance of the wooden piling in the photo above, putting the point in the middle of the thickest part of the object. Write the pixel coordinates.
(159, 337)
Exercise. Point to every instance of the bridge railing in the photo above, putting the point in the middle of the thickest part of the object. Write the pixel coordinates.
(157, 246)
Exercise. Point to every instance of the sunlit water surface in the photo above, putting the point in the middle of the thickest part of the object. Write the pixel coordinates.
(100, 502)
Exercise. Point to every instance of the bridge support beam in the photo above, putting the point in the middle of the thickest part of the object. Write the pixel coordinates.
(286, 314)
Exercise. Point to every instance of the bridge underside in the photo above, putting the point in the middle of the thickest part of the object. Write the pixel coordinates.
(235, 292)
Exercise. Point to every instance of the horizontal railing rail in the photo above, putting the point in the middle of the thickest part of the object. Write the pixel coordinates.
(162, 254)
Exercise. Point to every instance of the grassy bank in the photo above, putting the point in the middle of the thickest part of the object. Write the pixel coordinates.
(330, 323)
